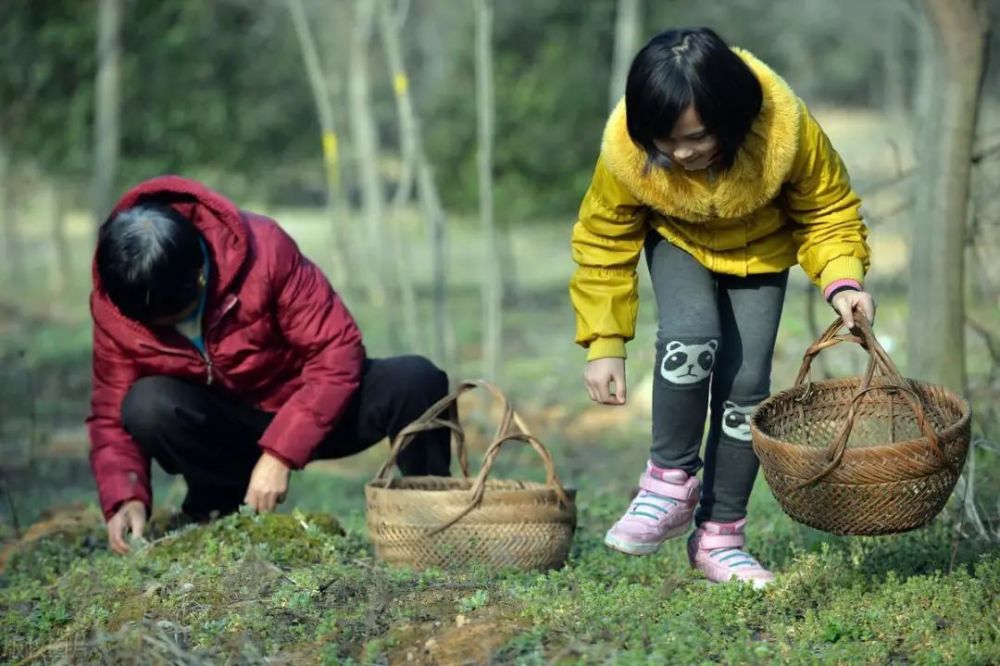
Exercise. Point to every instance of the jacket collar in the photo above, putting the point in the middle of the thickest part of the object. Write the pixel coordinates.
(760, 169)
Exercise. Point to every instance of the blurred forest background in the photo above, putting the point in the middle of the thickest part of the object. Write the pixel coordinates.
(430, 155)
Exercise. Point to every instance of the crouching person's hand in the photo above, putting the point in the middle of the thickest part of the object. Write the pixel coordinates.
(130, 517)
(268, 484)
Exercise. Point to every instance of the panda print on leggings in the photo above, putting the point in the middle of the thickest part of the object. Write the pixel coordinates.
(687, 363)
(736, 421)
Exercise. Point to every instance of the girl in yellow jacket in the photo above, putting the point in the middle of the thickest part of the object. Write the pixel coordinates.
(714, 167)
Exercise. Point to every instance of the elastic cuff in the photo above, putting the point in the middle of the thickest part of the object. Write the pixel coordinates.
(113, 509)
(606, 348)
(288, 462)
(842, 268)
(838, 286)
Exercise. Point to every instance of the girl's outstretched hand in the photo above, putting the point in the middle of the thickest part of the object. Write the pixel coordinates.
(846, 302)
(600, 374)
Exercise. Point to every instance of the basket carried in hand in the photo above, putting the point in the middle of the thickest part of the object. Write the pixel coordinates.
(868, 455)
(432, 521)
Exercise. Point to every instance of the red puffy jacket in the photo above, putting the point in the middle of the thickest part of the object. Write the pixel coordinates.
(276, 335)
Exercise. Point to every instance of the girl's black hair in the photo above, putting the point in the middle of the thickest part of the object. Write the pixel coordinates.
(678, 68)
(149, 259)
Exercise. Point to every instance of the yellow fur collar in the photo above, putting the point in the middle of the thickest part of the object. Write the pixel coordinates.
(760, 169)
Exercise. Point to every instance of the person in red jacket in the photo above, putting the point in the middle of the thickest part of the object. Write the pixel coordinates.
(225, 355)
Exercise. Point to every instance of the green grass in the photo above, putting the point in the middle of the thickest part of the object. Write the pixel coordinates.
(291, 588)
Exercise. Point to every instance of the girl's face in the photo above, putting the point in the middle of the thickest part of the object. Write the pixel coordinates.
(689, 143)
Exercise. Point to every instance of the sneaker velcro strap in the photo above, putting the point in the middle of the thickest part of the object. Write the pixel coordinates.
(686, 492)
(712, 541)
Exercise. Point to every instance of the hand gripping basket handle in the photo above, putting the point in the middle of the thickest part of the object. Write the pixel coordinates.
(444, 414)
(479, 485)
(894, 381)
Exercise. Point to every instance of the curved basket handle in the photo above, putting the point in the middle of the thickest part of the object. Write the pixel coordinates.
(878, 359)
(478, 488)
(432, 419)
(829, 338)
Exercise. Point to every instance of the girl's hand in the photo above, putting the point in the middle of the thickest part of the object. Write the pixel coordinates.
(849, 300)
(598, 377)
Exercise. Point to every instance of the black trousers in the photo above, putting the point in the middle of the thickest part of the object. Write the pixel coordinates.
(210, 437)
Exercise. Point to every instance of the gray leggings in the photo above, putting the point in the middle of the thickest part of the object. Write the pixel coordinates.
(713, 329)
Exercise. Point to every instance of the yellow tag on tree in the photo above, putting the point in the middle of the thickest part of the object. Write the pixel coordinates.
(330, 146)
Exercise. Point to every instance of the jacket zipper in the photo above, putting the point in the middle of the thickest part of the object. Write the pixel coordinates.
(209, 375)
(177, 352)
(230, 304)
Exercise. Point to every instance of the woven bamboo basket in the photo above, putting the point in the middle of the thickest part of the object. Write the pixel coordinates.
(869, 455)
(429, 521)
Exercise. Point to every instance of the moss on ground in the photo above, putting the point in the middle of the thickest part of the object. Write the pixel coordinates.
(291, 589)
(296, 588)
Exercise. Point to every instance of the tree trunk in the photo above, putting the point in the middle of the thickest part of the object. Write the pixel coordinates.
(389, 30)
(13, 247)
(336, 201)
(923, 79)
(628, 21)
(936, 335)
(432, 49)
(511, 288)
(389, 27)
(492, 285)
(414, 155)
(444, 334)
(60, 242)
(333, 49)
(107, 111)
(365, 139)
(892, 57)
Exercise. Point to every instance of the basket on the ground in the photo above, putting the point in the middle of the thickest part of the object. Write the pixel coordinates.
(868, 455)
(425, 521)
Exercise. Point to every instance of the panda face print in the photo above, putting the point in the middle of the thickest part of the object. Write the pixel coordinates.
(688, 363)
(736, 421)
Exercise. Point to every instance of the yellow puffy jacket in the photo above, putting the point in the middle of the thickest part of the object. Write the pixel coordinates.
(786, 199)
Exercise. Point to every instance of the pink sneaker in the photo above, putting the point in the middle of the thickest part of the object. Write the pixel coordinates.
(661, 510)
(716, 549)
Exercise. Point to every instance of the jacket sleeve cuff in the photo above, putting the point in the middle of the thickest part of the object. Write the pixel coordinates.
(294, 457)
(612, 347)
(842, 268)
(289, 463)
(838, 286)
(111, 506)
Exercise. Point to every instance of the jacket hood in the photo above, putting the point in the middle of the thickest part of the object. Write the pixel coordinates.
(218, 220)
